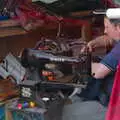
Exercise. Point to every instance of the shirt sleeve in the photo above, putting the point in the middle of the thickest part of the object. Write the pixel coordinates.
(111, 60)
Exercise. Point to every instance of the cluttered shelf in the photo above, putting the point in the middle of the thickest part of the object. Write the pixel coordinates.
(14, 37)
(10, 28)
(28, 24)
(4, 32)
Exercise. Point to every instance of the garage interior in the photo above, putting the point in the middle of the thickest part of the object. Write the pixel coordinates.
(41, 63)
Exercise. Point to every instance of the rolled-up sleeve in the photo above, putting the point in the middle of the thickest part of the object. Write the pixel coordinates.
(112, 59)
(110, 62)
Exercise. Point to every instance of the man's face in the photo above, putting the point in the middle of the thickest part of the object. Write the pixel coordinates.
(111, 30)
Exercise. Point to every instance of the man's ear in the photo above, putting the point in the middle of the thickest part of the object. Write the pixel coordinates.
(118, 28)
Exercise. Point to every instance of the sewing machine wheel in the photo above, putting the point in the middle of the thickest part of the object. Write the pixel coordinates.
(47, 44)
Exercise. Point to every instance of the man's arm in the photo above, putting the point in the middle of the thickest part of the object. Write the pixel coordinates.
(108, 63)
(99, 70)
(100, 42)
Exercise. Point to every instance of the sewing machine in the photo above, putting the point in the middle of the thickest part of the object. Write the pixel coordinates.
(52, 67)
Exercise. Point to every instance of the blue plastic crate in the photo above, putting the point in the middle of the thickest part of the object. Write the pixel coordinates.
(4, 17)
(2, 113)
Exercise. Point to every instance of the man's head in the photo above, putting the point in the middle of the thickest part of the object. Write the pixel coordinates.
(112, 28)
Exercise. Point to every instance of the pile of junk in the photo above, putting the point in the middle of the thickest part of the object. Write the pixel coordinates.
(51, 72)
(54, 64)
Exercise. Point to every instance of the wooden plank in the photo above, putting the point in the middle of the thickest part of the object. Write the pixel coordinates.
(9, 23)
(11, 31)
(8, 90)
(8, 114)
(82, 13)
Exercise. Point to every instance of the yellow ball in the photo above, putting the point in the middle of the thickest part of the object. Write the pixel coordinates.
(32, 104)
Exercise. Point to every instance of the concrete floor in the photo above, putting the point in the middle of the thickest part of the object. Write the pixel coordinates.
(79, 110)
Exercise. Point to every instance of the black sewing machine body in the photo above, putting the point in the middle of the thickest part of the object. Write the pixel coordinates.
(52, 67)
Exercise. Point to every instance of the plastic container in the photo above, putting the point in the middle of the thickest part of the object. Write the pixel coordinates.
(2, 113)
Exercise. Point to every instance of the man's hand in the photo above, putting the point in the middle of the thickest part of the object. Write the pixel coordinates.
(89, 47)
(101, 41)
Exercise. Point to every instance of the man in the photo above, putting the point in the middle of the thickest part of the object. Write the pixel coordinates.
(109, 63)
(106, 67)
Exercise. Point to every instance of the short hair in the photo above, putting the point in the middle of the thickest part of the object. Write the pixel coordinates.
(115, 21)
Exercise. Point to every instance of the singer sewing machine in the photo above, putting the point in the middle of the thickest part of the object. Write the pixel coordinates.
(53, 67)
(55, 71)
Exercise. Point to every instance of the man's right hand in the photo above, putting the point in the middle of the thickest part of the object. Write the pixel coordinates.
(89, 47)
(101, 41)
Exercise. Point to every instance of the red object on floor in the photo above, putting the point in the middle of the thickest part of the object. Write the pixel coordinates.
(113, 112)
